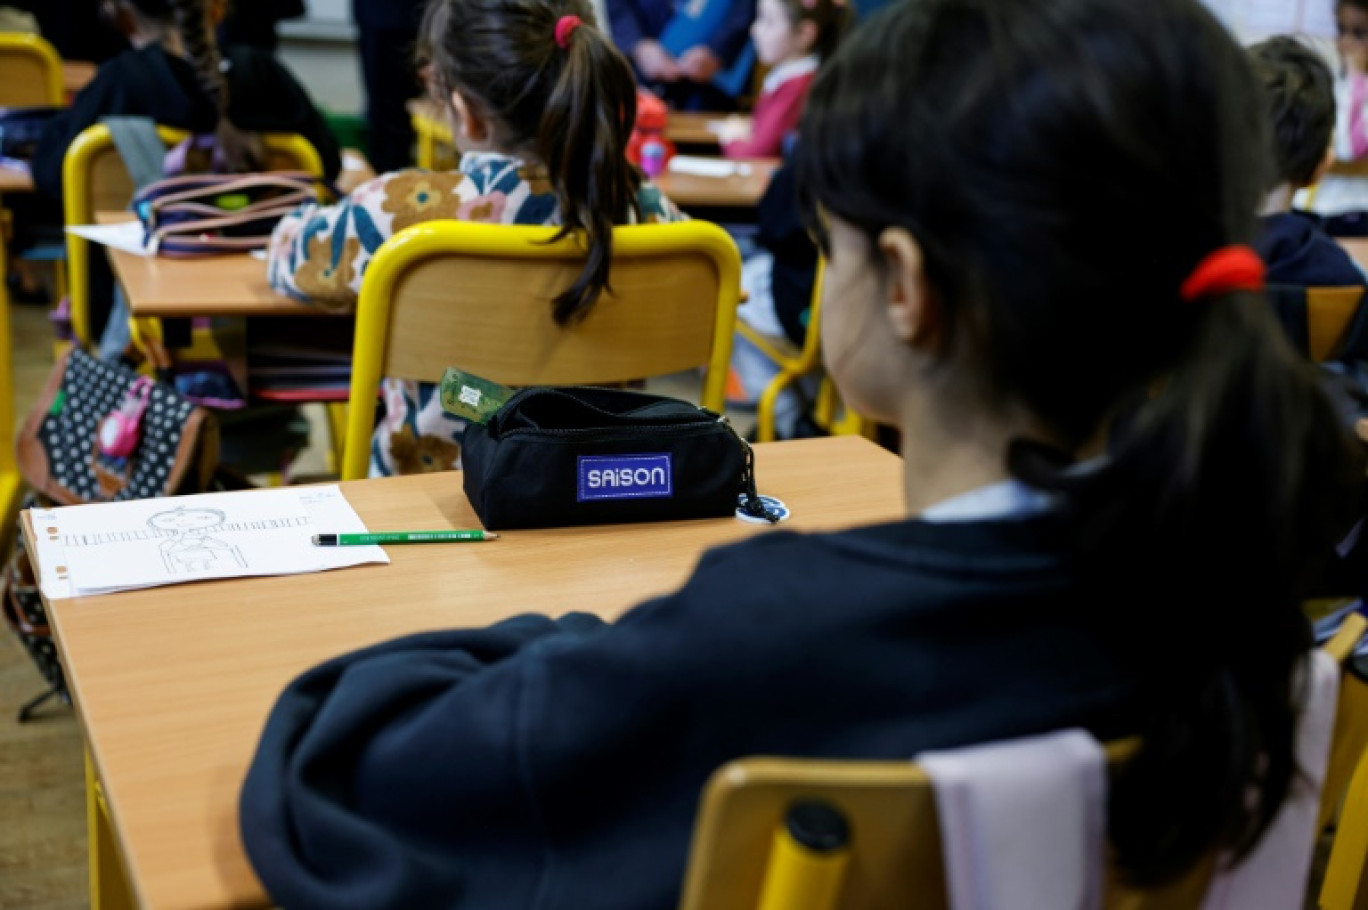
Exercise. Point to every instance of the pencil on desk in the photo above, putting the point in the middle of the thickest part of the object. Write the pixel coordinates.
(357, 540)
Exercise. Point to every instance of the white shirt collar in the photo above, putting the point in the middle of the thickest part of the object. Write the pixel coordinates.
(789, 69)
(1004, 499)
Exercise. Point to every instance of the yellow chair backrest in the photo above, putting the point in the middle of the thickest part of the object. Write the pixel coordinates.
(94, 179)
(478, 297)
(30, 72)
(744, 858)
(1329, 314)
(1345, 886)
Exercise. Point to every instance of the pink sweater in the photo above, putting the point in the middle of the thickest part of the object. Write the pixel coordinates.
(777, 112)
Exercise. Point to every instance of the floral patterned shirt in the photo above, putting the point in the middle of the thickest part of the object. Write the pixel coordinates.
(319, 253)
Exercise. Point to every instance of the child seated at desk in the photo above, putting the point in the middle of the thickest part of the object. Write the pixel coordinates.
(1118, 480)
(542, 106)
(792, 37)
(175, 75)
(1299, 96)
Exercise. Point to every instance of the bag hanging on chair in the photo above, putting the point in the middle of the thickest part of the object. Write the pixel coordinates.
(98, 433)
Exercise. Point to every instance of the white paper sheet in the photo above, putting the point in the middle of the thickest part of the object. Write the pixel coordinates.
(125, 235)
(100, 549)
(707, 167)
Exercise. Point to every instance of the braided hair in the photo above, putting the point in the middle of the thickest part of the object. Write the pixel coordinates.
(240, 151)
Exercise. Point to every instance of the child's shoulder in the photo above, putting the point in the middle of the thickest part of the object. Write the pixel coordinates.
(655, 206)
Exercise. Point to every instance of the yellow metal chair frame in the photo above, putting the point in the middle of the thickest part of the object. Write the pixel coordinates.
(94, 179)
(1345, 886)
(30, 76)
(30, 72)
(745, 856)
(794, 363)
(435, 144)
(478, 296)
(9, 471)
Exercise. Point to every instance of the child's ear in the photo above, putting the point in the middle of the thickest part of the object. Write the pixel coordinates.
(469, 116)
(913, 312)
(807, 34)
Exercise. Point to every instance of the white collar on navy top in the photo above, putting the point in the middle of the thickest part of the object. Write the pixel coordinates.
(1004, 499)
(789, 69)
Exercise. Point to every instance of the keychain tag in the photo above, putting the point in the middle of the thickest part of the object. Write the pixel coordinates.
(470, 396)
(120, 430)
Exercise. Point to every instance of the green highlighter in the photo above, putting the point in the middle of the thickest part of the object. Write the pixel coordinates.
(471, 397)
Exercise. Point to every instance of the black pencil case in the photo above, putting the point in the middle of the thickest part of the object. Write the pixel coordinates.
(552, 457)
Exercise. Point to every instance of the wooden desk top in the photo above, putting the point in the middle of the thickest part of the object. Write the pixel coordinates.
(230, 285)
(1357, 248)
(15, 181)
(173, 684)
(689, 190)
(691, 127)
(76, 75)
(684, 189)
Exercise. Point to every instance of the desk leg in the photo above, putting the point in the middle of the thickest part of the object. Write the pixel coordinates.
(108, 882)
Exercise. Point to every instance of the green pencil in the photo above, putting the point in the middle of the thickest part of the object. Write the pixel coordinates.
(361, 540)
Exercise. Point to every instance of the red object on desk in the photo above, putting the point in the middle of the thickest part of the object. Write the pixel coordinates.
(649, 135)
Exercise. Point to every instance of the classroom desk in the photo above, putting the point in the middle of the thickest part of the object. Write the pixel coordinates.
(684, 190)
(691, 127)
(737, 192)
(173, 684)
(76, 75)
(229, 285)
(14, 180)
(1357, 248)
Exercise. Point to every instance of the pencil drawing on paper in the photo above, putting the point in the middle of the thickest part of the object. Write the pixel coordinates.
(187, 547)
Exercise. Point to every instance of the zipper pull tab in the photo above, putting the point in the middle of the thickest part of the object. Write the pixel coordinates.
(750, 497)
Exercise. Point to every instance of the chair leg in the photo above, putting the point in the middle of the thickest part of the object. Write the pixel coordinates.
(30, 707)
(337, 432)
(764, 411)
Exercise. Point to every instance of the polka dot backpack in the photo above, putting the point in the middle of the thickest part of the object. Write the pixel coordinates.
(98, 433)
(101, 433)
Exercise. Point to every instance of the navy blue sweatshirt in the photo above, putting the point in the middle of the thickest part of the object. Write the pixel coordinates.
(545, 764)
(263, 97)
(1298, 252)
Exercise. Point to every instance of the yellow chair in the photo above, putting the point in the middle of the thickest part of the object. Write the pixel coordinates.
(30, 72)
(435, 148)
(9, 471)
(1330, 312)
(94, 179)
(478, 296)
(1345, 886)
(30, 76)
(794, 363)
(744, 856)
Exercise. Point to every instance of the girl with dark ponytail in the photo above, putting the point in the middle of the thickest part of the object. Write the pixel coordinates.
(1119, 483)
(541, 105)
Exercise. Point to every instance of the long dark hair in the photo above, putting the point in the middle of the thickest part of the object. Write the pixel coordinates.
(831, 18)
(572, 108)
(1064, 164)
(242, 152)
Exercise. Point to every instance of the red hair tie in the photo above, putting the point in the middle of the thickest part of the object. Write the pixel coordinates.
(1231, 268)
(564, 26)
